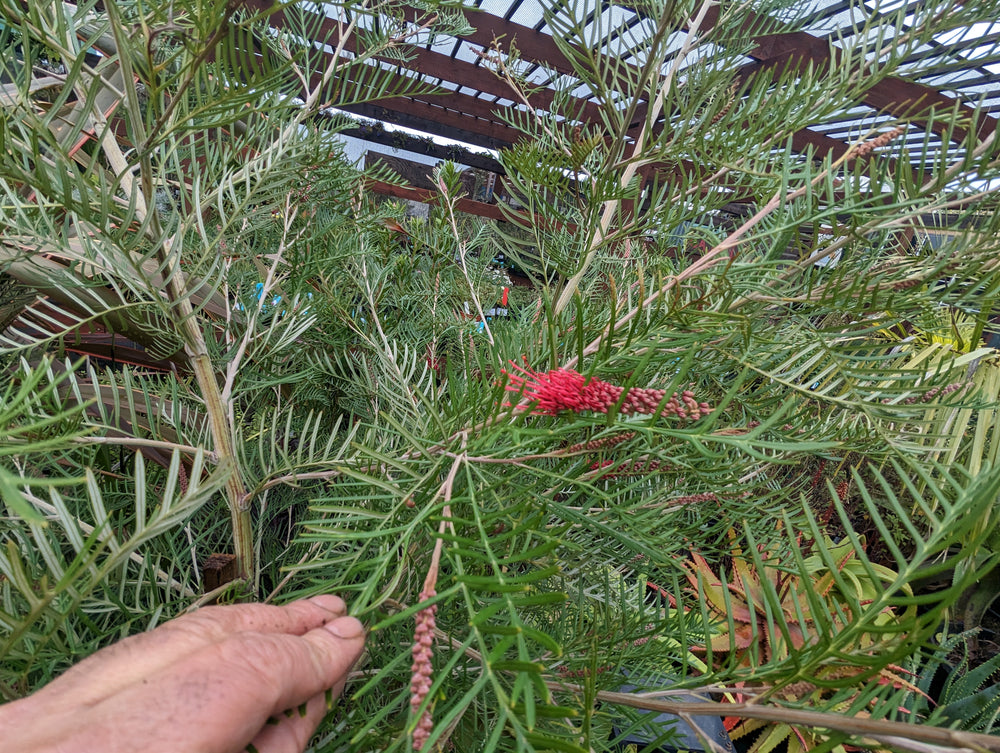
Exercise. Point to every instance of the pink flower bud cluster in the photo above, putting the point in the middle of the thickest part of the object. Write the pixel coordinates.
(600, 444)
(572, 674)
(865, 149)
(936, 392)
(627, 469)
(420, 680)
(932, 393)
(842, 488)
(818, 475)
(564, 389)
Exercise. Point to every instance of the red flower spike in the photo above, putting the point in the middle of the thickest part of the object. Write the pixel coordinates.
(566, 390)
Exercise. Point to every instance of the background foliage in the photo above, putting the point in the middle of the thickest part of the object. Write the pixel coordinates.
(214, 342)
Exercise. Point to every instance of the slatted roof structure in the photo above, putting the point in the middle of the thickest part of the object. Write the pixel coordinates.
(956, 71)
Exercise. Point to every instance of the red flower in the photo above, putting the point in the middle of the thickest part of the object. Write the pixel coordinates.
(564, 389)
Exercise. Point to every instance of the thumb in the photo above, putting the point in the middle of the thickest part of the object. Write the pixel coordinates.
(227, 691)
(290, 732)
(294, 669)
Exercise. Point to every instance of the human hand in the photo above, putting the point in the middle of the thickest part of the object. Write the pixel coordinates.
(207, 682)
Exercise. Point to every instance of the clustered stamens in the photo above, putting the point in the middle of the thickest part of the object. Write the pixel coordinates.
(560, 390)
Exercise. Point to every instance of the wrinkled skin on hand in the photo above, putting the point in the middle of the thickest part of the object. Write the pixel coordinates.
(207, 682)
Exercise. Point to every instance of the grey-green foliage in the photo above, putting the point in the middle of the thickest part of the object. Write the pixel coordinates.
(79, 564)
(369, 418)
(969, 700)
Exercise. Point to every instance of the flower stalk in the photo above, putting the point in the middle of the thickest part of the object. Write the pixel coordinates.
(423, 634)
(423, 652)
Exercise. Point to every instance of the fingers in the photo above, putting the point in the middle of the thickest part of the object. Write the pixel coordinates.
(207, 681)
(225, 692)
(290, 733)
(285, 671)
(296, 618)
(128, 661)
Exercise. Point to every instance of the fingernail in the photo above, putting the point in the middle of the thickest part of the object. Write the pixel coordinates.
(345, 627)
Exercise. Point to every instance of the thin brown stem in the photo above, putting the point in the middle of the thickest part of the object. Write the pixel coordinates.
(151, 443)
(449, 203)
(707, 261)
(611, 207)
(859, 727)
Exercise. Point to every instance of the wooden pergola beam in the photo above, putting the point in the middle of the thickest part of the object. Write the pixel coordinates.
(438, 120)
(893, 95)
(896, 96)
(426, 196)
(476, 120)
(426, 147)
(438, 65)
(448, 121)
(491, 31)
(540, 47)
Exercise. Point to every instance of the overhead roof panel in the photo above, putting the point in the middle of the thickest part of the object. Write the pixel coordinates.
(962, 63)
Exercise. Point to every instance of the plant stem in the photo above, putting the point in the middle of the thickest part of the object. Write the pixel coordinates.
(183, 312)
(860, 727)
(236, 497)
(218, 416)
(611, 207)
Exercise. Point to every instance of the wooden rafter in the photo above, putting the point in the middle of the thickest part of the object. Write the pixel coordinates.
(427, 147)
(446, 114)
(440, 66)
(477, 119)
(437, 121)
(893, 95)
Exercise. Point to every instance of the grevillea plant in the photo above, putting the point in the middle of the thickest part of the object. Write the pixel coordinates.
(216, 340)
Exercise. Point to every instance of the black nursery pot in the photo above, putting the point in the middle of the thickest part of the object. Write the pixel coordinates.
(655, 724)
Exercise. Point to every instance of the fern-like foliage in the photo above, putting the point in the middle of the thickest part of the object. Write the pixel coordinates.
(217, 341)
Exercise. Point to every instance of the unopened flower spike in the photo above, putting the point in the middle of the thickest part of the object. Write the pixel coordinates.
(423, 646)
(420, 679)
